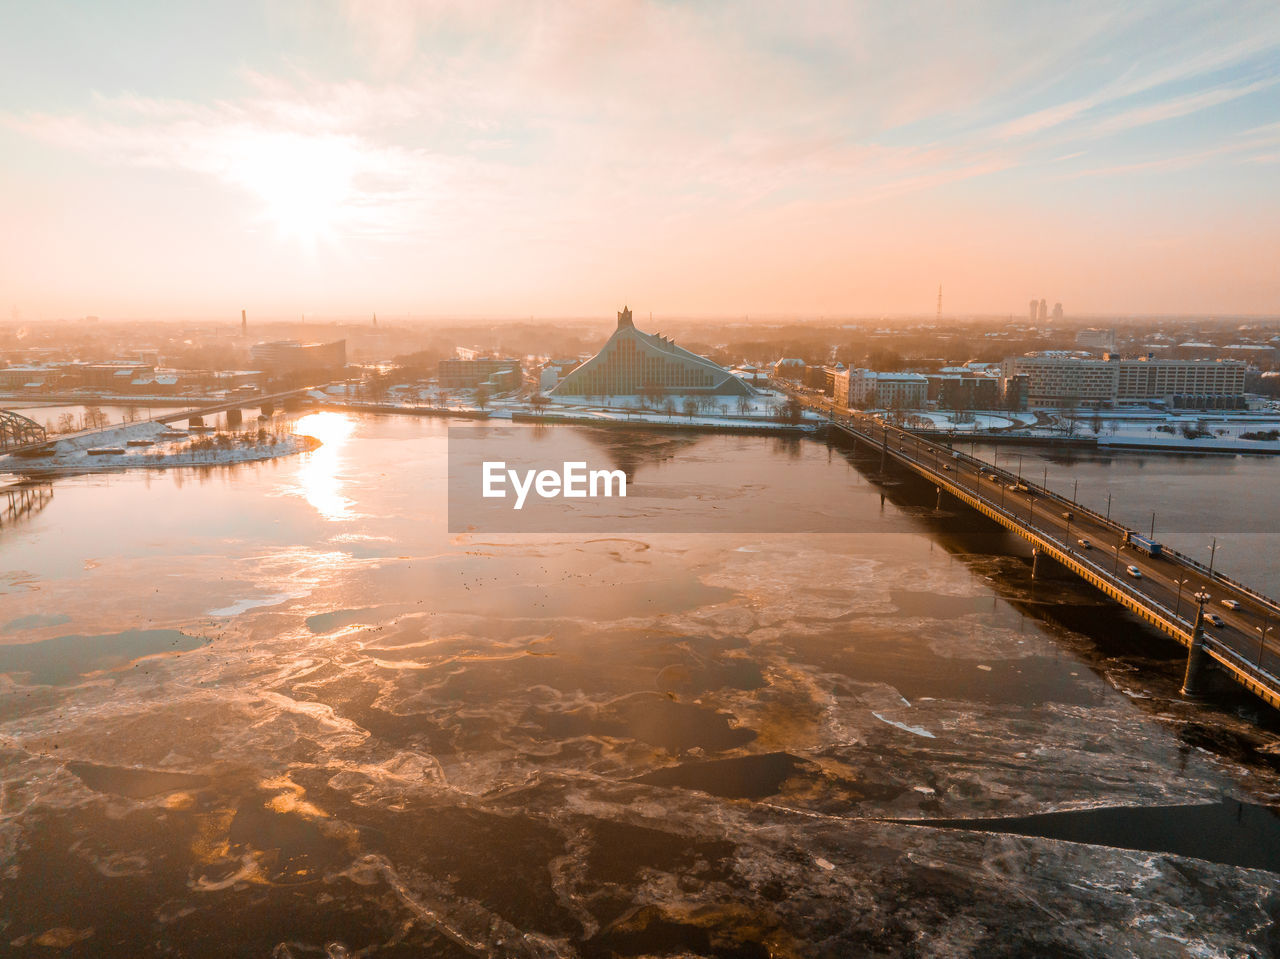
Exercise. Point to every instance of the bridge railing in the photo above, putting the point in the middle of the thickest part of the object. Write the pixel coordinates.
(1253, 670)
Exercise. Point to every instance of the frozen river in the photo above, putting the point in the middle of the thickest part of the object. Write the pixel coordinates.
(278, 709)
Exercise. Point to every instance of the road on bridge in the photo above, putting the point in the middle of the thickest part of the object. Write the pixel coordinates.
(1250, 626)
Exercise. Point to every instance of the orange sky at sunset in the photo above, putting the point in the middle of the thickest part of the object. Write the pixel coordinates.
(485, 158)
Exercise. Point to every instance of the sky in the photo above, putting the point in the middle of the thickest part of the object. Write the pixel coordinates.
(531, 158)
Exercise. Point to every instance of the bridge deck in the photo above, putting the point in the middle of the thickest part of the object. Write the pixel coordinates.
(1163, 591)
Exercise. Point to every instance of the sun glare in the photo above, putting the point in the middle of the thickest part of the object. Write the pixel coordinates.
(304, 182)
(320, 479)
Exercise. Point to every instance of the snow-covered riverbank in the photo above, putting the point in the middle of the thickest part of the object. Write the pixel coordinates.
(168, 449)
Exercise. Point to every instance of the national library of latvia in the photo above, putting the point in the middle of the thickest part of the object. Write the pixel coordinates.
(633, 362)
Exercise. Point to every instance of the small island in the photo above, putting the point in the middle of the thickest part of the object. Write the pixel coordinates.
(152, 445)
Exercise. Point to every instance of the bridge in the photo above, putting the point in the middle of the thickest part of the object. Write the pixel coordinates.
(264, 402)
(19, 432)
(20, 435)
(1172, 592)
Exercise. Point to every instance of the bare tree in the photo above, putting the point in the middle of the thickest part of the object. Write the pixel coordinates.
(690, 407)
(482, 396)
(1072, 416)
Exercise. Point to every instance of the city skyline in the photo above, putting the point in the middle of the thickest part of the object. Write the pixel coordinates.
(484, 159)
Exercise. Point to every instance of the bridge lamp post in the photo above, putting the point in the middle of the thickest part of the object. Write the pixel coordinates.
(1178, 608)
(1201, 598)
(1262, 631)
(1115, 570)
(1213, 553)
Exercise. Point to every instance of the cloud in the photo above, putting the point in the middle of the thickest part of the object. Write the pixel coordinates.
(304, 160)
(470, 133)
(1176, 107)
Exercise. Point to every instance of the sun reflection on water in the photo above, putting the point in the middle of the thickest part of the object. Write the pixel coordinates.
(320, 480)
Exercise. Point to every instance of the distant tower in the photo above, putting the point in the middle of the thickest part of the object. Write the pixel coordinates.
(375, 319)
(624, 317)
(1057, 312)
(1043, 310)
(1035, 308)
(939, 302)
(244, 324)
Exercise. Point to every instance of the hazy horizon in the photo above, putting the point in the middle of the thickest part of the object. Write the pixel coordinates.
(487, 161)
(604, 319)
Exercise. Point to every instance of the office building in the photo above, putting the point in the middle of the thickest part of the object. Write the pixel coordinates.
(471, 372)
(868, 389)
(283, 356)
(1069, 379)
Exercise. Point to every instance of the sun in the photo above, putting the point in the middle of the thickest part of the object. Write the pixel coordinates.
(304, 182)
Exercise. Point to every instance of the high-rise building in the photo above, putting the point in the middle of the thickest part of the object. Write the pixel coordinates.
(1042, 311)
(1033, 310)
(1057, 312)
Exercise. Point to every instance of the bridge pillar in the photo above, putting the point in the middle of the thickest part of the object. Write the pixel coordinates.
(293, 402)
(1035, 563)
(234, 417)
(938, 505)
(195, 421)
(1197, 661)
(268, 409)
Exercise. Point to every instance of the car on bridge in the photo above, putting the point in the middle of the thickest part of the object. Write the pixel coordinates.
(1215, 619)
(1084, 544)
(1134, 572)
(1231, 604)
